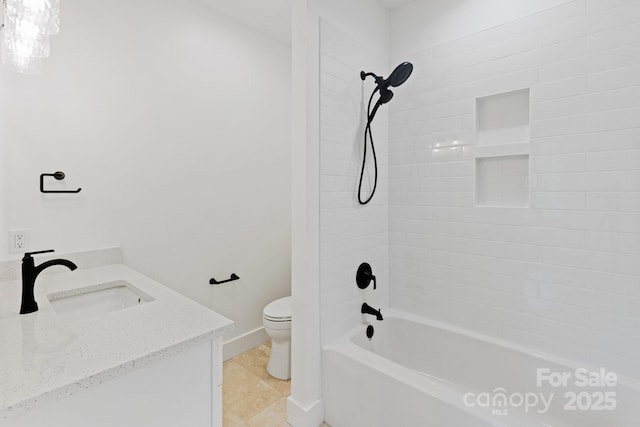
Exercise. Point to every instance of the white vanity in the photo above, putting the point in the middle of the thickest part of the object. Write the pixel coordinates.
(108, 347)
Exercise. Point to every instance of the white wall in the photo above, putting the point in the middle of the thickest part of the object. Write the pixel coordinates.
(363, 20)
(175, 122)
(4, 241)
(350, 234)
(353, 37)
(425, 23)
(561, 276)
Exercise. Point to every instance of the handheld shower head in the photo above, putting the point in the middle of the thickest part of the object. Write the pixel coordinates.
(395, 79)
(385, 96)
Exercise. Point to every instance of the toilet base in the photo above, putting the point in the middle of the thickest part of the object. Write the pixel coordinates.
(279, 365)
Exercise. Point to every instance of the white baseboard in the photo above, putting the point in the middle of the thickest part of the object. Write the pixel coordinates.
(244, 342)
(298, 416)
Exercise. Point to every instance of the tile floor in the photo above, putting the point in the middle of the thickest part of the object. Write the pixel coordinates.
(250, 396)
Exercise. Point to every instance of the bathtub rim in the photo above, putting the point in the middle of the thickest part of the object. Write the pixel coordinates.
(432, 386)
(624, 380)
(345, 341)
(441, 389)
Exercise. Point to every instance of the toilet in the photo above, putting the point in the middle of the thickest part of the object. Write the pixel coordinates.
(276, 318)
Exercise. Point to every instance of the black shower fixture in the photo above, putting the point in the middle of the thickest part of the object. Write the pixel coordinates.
(395, 79)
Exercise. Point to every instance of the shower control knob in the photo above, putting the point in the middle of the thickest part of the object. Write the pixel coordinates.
(364, 276)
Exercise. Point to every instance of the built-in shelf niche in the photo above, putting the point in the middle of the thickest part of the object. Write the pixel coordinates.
(502, 181)
(503, 118)
(503, 127)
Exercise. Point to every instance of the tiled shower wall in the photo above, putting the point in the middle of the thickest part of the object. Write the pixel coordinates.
(562, 274)
(349, 234)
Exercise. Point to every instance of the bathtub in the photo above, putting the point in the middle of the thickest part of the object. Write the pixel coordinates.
(416, 372)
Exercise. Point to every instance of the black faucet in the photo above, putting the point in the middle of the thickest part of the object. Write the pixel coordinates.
(367, 309)
(29, 274)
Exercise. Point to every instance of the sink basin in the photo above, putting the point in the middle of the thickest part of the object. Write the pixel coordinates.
(97, 300)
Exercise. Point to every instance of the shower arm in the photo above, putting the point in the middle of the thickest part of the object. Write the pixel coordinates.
(379, 80)
(364, 75)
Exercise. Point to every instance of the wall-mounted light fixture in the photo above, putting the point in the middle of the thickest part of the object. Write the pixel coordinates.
(28, 24)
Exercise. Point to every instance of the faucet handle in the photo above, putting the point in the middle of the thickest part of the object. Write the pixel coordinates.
(28, 254)
(364, 276)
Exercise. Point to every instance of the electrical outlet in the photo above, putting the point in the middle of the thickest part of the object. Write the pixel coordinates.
(18, 240)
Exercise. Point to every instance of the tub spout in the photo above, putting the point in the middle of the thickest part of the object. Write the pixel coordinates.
(367, 309)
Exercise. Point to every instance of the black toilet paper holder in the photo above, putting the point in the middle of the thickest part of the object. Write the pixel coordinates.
(59, 176)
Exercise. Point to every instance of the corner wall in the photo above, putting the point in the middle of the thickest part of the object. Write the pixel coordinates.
(350, 234)
(365, 22)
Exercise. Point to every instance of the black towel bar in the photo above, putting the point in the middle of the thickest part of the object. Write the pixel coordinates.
(233, 277)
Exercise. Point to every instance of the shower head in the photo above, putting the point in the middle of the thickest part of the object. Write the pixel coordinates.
(400, 74)
(395, 79)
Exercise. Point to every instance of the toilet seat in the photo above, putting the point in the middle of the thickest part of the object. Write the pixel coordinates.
(279, 311)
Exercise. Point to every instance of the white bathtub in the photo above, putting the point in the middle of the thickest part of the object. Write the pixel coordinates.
(420, 373)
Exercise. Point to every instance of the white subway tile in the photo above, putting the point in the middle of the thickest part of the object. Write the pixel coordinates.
(594, 6)
(558, 200)
(614, 120)
(594, 102)
(556, 16)
(594, 181)
(625, 139)
(559, 126)
(614, 79)
(559, 89)
(614, 201)
(615, 58)
(571, 162)
(628, 243)
(561, 275)
(617, 37)
(564, 69)
(349, 234)
(614, 160)
(470, 43)
(456, 108)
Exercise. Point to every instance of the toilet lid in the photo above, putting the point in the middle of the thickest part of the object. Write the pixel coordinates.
(279, 310)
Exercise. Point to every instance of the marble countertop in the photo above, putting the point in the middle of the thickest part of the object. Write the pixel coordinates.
(44, 357)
